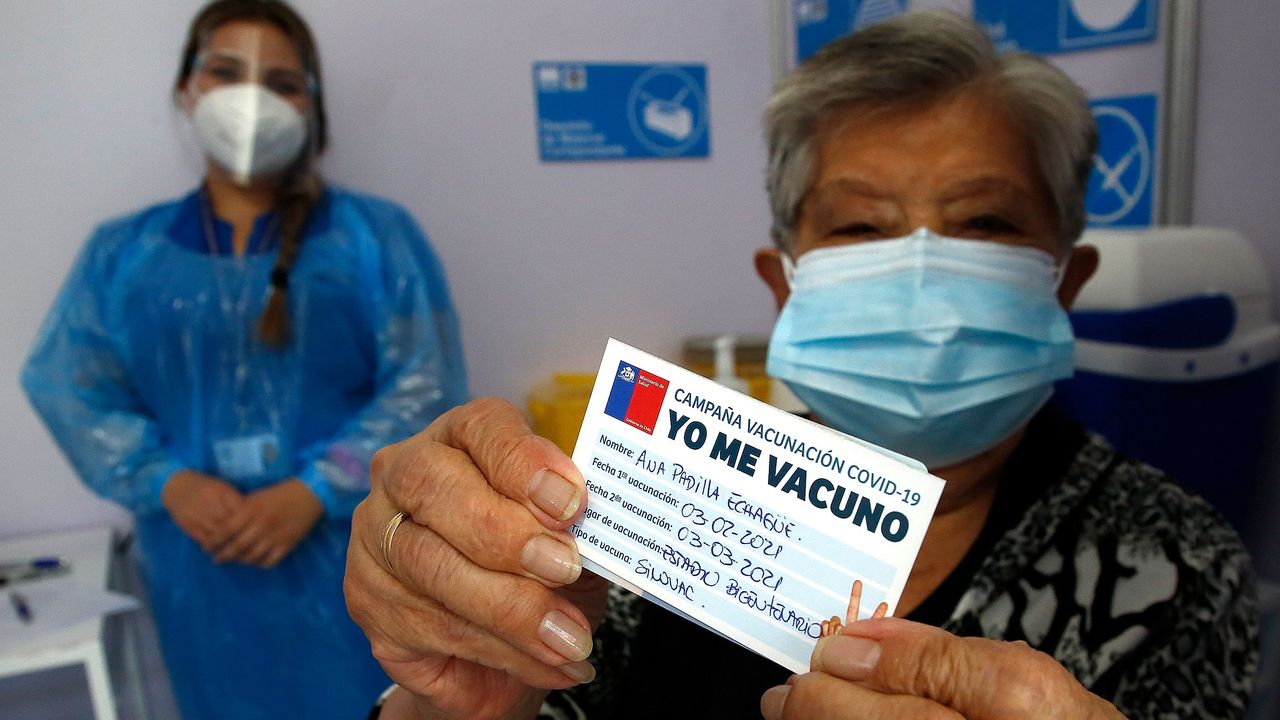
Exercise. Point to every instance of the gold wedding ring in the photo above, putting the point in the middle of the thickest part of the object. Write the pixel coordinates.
(387, 536)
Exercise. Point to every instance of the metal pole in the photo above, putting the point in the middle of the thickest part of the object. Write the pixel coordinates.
(1179, 117)
(780, 36)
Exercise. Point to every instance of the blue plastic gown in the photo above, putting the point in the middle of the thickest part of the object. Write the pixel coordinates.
(149, 362)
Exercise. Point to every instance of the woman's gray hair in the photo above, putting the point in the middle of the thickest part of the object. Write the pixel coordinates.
(912, 60)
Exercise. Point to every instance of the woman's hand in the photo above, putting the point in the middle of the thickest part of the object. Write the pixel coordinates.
(892, 668)
(201, 505)
(269, 524)
(481, 609)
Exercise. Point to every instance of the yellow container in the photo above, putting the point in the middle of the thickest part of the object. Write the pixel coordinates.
(558, 407)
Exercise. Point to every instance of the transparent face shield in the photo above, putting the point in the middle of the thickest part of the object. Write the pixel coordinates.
(251, 101)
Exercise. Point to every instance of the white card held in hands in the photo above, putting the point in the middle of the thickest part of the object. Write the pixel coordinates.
(741, 517)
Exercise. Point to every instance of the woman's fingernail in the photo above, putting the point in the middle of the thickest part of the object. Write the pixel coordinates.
(851, 658)
(554, 495)
(582, 671)
(772, 701)
(564, 635)
(553, 561)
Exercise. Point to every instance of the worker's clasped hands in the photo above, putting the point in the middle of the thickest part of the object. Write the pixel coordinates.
(258, 528)
(477, 605)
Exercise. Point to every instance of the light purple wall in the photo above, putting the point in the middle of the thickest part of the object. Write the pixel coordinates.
(1237, 182)
(1237, 154)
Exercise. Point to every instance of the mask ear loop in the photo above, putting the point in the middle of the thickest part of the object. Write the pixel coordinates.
(788, 270)
(1060, 271)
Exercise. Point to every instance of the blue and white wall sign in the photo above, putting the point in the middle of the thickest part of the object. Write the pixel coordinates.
(614, 111)
(1052, 26)
(818, 22)
(1120, 186)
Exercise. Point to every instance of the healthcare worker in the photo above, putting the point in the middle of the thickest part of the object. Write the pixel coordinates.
(226, 364)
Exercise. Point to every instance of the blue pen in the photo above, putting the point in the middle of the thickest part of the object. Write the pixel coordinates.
(21, 606)
(33, 569)
(38, 563)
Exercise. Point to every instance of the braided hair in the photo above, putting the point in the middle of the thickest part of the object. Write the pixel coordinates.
(298, 194)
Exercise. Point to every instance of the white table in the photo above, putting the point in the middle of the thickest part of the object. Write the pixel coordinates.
(90, 553)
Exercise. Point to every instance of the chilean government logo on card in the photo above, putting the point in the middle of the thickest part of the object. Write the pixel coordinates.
(636, 397)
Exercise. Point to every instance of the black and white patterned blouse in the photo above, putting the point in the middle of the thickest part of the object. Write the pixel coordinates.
(1136, 586)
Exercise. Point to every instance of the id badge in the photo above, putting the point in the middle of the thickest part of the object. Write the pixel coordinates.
(245, 457)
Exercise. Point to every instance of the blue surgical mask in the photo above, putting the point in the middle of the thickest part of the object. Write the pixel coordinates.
(936, 348)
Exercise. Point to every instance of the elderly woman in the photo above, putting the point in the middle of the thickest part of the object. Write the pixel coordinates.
(926, 195)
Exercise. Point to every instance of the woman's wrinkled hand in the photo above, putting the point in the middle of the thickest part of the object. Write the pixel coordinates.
(201, 505)
(483, 606)
(269, 524)
(891, 668)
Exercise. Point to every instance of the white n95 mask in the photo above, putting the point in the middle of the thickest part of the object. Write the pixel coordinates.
(936, 348)
(249, 130)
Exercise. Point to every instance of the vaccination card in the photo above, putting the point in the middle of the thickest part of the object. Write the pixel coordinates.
(743, 518)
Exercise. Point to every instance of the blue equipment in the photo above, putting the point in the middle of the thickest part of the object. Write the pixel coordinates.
(1176, 356)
